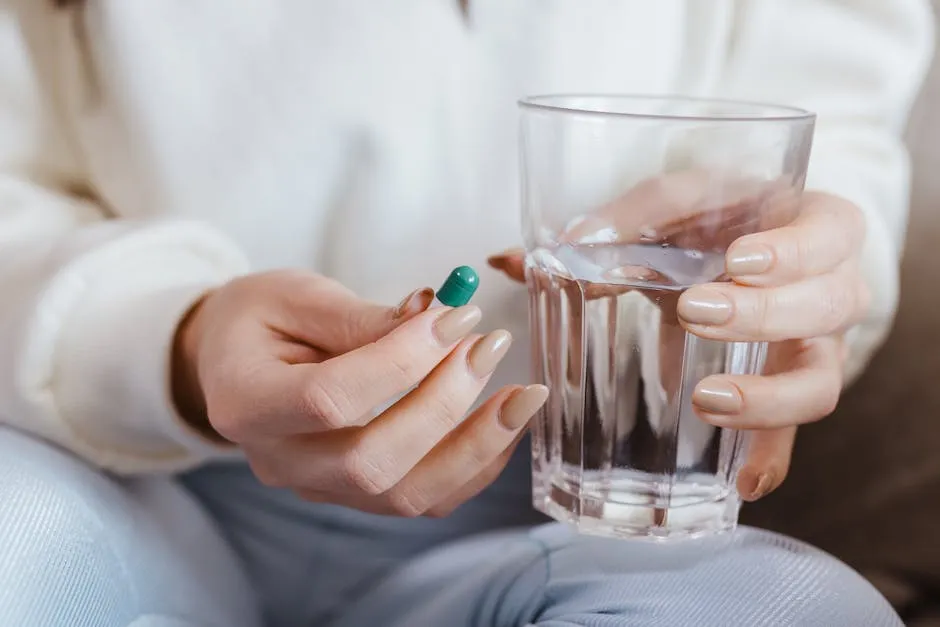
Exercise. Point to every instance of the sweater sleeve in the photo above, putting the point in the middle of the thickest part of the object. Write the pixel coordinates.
(859, 65)
(88, 303)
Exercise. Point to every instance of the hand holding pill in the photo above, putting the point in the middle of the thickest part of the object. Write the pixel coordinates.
(290, 366)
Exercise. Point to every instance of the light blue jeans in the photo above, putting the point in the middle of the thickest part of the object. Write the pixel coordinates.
(216, 549)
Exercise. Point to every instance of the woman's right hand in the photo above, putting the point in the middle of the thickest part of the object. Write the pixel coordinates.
(292, 366)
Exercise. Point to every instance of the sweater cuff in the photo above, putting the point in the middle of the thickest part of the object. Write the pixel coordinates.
(110, 363)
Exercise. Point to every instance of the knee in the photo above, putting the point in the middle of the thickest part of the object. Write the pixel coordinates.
(756, 579)
(56, 528)
(803, 585)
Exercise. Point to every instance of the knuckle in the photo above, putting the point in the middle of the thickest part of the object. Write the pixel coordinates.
(402, 365)
(407, 503)
(838, 305)
(401, 358)
(761, 311)
(790, 252)
(801, 253)
(442, 410)
(325, 406)
(476, 452)
(360, 470)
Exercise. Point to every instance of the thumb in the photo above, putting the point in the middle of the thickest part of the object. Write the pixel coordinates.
(511, 263)
(364, 322)
(768, 461)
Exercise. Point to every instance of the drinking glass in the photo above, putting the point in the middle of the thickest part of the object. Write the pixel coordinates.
(627, 202)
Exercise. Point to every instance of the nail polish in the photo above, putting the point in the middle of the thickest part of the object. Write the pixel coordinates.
(453, 325)
(486, 354)
(456, 324)
(705, 306)
(718, 397)
(416, 302)
(749, 259)
(754, 488)
(519, 408)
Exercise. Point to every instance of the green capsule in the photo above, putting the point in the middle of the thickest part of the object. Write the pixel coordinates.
(459, 287)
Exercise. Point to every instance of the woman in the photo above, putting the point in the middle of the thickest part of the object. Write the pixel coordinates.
(162, 160)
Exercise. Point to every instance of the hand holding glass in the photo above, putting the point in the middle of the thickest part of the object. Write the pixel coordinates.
(628, 202)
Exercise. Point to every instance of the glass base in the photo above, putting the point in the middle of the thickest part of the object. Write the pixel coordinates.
(626, 508)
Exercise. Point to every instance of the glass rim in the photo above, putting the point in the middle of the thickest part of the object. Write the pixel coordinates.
(762, 111)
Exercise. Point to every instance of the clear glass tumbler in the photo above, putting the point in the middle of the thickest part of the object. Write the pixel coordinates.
(627, 202)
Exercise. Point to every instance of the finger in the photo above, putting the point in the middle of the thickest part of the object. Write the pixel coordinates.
(338, 392)
(693, 208)
(768, 462)
(342, 322)
(351, 385)
(828, 231)
(462, 466)
(510, 262)
(324, 313)
(374, 458)
(470, 458)
(353, 500)
(479, 483)
(816, 306)
(403, 434)
(806, 389)
(381, 506)
(645, 209)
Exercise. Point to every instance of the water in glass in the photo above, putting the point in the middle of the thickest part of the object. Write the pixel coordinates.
(618, 449)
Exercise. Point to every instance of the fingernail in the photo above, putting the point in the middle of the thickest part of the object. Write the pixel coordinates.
(705, 306)
(519, 408)
(749, 259)
(415, 303)
(488, 352)
(456, 324)
(496, 261)
(753, 487)
(499, 260)
(718, 397)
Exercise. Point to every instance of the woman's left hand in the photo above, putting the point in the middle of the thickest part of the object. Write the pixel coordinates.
(799, 287)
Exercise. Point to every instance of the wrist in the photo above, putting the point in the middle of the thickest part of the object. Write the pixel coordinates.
(188, 396)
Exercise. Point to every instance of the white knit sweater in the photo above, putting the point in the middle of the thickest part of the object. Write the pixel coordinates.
(151, 149)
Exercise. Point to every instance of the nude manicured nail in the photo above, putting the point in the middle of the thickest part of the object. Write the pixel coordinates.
(488, 352)
(521, 406)
(415, 303)
(718, 397)
(705, 306)
(456, 324)
(749, 259)
(499, 260)
(753, 487)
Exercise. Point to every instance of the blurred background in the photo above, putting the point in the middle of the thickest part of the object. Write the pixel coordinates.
(865, 484)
